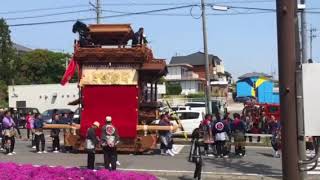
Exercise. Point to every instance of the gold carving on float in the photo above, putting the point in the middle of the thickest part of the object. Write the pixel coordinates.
(109, 76)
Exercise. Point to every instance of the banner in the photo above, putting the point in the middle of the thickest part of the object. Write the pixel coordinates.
(108, 76)
(69, 72)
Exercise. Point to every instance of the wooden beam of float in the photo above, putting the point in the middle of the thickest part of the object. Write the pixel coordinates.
(139, 127)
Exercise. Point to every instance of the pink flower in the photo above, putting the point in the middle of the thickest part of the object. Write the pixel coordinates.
(12, 171)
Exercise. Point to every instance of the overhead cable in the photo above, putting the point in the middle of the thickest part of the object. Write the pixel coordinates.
(46, 15)
(112, 16)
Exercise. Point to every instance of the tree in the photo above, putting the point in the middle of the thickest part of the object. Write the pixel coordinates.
(3, 94)
(7, 61)
(173, 89)
(41, 67)
(7, 53)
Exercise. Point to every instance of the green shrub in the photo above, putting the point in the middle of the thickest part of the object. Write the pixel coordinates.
(196, 95)
(173, 89)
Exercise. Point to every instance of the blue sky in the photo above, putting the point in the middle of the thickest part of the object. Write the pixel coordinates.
(245, 43)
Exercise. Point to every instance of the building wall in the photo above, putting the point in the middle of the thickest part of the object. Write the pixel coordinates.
(174, 72)
(190, 86)
(43, 97)
(180, 72)
(50, 96)
(200, 70)
(220, 68)
(243, 89)
(264, 92)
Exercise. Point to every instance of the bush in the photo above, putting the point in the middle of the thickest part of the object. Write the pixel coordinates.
(173, 89)
(197, 95)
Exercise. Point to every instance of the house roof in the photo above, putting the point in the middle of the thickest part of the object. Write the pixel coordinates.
(183, 64)
(195, 59)
(227, 74)
(254, 74)
(21, 48)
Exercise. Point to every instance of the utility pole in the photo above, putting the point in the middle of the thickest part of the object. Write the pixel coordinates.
(299, 97)
(286, 27)
(303, 32)
(312, 36)
(206, 58)
(97, 9)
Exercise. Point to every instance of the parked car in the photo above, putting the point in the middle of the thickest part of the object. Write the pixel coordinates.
(76, 116)
(190, 120)
(21, 114)
(245, 99)
(47, 115)
(217, 106)
(197, 106)
(180, 108)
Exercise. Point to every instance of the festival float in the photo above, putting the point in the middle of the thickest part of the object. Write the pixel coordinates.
(115, 79)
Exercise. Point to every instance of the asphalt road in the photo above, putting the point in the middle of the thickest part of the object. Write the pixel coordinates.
(258, 162)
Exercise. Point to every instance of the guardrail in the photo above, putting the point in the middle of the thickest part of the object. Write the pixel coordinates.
(258, 135)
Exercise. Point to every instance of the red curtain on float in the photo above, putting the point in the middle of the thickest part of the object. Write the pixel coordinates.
(119, 102)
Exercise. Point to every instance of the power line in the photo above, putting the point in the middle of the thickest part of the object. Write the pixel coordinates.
(185, 3)
(131, 4)
(313, 12)
(42, 9)
(156, 12)
(113, 16)
(46, 15)
(185, 14)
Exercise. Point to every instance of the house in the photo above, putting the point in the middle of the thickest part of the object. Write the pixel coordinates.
(182, 74)
(218, 77)
(258, 85)
(20, 49)
(197, 60)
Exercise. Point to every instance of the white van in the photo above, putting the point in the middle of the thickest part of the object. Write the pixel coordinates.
(190, 120)
(197, 106)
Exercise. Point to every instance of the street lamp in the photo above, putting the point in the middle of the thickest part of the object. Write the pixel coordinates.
(205, 47)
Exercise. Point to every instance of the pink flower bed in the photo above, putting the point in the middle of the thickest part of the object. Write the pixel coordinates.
(12, 171)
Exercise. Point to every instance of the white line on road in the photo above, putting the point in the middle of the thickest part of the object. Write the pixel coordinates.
(178, 148)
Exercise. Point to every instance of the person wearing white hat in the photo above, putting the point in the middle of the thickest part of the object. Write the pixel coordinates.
(109, 140)
(91, 143)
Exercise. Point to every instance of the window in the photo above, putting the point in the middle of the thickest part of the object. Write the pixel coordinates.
(188, 115)
(174, 108)
(46, 113)
(21, 104)
(194, 105)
